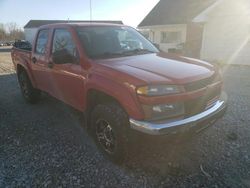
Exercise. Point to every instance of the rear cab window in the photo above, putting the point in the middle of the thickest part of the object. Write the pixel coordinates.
(42, 41)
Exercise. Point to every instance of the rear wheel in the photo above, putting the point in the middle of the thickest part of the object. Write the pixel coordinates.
(110, 130)
(30, 94)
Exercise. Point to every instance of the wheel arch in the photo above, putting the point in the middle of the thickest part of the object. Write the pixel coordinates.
(21, 68)
(96, 96)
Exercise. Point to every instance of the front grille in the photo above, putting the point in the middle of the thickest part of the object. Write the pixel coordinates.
(198, 105)
(194, 106)
(201, 83)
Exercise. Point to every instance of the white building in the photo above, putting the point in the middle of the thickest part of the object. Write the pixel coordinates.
(213, 30)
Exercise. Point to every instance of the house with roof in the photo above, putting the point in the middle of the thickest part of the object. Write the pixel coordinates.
(213, 30)
(32, 26)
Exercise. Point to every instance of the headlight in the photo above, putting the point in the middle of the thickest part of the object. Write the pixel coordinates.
(163, 111)
(158, 90)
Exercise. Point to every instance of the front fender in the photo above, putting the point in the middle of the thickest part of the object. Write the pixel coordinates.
(122, 92)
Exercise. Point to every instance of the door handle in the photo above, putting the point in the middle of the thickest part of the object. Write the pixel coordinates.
(50, 65)
(34, 60)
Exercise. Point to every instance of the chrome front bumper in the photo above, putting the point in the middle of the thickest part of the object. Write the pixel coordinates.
(199, 121)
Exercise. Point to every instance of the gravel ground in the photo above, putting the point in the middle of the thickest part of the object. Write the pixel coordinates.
(44, 145)
(5, 61)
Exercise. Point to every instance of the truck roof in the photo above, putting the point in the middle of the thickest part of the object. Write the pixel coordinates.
(38, 23)
(79, 24)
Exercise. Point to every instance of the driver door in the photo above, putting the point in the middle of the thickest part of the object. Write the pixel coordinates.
(67, 74)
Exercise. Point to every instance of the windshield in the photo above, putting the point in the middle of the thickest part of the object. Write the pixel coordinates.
(113, 41)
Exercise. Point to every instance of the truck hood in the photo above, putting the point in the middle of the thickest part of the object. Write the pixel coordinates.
(161, 68)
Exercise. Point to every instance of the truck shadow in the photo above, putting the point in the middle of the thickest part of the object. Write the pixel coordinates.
(170, 155)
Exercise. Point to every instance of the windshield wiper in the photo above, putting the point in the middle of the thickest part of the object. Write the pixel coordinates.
(107, 55)
(138, 51)
(124, 53)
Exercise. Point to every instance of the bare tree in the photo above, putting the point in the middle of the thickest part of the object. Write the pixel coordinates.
(11, 26)
(2, 32)
(14, 32)
(10, 31)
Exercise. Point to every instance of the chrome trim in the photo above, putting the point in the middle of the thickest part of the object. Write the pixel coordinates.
(154, 128)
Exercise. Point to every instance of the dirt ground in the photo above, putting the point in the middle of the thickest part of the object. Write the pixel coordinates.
(6, 66)
(44, 145)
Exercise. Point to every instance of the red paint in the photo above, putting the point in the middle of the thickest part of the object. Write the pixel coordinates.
(117, 77)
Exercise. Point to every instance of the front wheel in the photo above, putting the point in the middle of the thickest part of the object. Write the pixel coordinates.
(110, 130)
(30, 94)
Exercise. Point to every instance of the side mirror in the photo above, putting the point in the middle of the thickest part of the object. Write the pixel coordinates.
(63, 57)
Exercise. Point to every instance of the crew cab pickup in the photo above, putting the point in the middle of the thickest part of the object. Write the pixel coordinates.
(120, 81)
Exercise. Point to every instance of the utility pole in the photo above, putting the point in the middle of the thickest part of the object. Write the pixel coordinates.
(90, 10)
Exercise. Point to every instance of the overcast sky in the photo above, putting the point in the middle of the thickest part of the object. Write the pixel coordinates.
(131, 12)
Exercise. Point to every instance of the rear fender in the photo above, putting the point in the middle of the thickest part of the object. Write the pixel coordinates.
(24, 65)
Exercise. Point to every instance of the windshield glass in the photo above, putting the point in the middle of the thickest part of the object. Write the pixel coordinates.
(113, 41)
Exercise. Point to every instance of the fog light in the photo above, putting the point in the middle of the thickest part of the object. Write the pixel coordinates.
(163, 108)
(163, 111)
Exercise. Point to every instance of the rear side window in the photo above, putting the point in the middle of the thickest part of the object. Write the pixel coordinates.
(42, 41)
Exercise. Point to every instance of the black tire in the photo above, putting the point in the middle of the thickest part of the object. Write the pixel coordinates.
(109, 125)
(30, 94)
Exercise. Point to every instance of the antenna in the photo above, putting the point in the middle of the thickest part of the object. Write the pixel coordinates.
(90, 10)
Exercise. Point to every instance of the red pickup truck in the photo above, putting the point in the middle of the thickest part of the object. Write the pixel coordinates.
(120, 81)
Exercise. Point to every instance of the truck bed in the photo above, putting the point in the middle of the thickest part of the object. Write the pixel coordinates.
(20, 55)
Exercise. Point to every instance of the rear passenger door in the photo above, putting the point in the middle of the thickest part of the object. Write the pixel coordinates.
(39, 60)
(66, 71)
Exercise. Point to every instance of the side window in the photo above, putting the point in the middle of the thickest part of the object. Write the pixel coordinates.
(64, 48)
(170, 37)
(42, 41)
